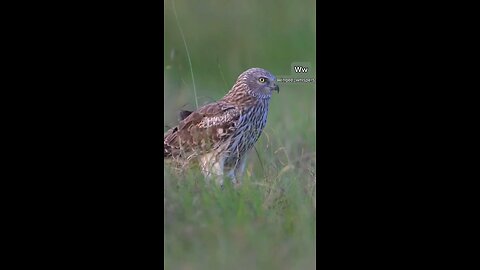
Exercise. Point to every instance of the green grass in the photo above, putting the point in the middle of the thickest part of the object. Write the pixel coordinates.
(269, 223)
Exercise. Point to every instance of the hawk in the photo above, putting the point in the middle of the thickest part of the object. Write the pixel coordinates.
(219, 135)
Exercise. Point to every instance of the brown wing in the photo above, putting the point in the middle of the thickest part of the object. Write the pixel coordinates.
(184, 114)
(201, 131)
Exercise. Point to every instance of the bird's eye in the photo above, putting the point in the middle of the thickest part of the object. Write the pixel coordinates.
(262, 79)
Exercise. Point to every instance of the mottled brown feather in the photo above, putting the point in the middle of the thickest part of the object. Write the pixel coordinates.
(222, 133)
(200, 130)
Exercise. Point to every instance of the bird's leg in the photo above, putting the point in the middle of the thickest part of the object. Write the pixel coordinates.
(237, 174)
(212, 168)
(231, 175)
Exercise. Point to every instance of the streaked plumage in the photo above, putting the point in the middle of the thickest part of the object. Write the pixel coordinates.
(219, 135)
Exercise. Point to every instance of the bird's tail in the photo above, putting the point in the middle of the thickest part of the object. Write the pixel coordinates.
(166, 151)
(168, 138)
(171, 135)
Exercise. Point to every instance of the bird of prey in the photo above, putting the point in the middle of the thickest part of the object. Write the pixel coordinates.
(219, 135)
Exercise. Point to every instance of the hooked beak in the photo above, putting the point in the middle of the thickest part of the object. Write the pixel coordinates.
(276, 88)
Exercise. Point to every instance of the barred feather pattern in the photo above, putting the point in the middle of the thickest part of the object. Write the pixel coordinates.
(219, 135)
(251, 123)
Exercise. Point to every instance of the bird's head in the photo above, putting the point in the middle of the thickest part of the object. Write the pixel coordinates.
(259, 82)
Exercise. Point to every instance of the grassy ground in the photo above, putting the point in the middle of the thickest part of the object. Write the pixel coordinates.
(269, 223)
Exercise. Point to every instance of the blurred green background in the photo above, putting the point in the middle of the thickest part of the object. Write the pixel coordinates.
(270, 222)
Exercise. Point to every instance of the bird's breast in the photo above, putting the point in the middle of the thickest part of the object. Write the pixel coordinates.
(248, 129)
